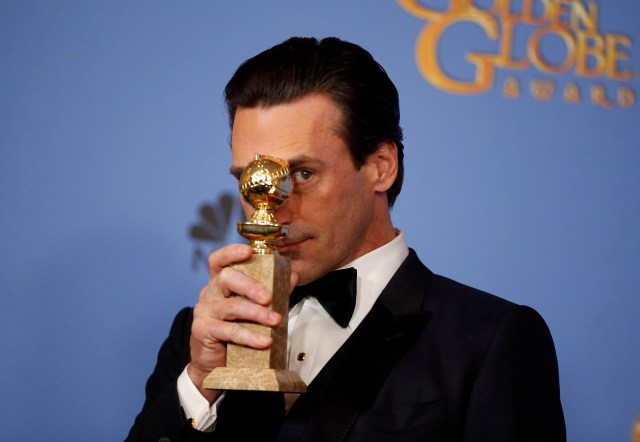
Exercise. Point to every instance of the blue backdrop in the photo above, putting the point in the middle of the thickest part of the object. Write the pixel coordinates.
(522, 180)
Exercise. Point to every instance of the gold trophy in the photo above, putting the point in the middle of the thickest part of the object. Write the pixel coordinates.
(265, 184)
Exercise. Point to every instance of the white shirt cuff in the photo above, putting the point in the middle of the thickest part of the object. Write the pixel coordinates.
(195, 406)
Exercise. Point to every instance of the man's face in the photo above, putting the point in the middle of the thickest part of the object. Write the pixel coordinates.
(331, 213)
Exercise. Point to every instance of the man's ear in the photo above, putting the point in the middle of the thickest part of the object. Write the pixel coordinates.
(384, 163)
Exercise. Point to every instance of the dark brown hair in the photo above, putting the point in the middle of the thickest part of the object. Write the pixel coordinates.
(345, 72)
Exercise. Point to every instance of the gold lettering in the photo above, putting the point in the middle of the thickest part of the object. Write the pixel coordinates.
(614, 55)
(471, 6)
(589, 54)
(626, 97)
(599, 96)
(571, 93)
(505, 59)
(542, 90)
(524, 15)
(511, 88)
(427, 55)
(574, 22)
(419, 10)
(558, 12)
(580, 16)
(535, 52)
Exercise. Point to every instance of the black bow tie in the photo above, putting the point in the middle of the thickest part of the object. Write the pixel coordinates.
(336, 292)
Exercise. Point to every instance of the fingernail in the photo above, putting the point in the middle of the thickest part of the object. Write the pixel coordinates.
(263, 339)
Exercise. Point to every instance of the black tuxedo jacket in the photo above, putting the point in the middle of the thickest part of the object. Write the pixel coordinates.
(434, 360)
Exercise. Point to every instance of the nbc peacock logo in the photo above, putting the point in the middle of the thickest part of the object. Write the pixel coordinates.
(214, 227)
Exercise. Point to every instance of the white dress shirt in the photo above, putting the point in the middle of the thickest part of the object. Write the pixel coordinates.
(314, 337)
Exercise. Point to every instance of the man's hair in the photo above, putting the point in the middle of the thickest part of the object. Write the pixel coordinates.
(343, 71)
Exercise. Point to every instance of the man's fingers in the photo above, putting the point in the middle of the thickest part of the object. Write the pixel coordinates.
(239, 334)
(232, 281)
(225, 281)
(230, 306)
(227, 255)
(211, 333)
(229, 282)
(237, 309)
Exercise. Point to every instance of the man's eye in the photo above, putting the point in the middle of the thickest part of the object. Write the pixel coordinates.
(301, 176)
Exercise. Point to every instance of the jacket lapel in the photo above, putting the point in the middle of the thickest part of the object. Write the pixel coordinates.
(351, 379)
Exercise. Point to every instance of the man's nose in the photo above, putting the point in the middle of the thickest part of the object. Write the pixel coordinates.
(284, 213)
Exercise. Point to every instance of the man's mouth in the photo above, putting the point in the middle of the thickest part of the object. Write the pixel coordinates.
(287, 245)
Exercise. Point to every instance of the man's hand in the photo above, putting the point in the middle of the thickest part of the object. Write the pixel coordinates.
(216, 310)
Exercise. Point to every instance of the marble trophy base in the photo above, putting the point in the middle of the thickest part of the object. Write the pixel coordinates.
(255, 379)
(262, 370)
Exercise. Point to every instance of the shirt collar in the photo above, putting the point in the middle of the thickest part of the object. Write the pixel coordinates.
(375, 270)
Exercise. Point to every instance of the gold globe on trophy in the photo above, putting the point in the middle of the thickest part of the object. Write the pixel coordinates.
(265, 184)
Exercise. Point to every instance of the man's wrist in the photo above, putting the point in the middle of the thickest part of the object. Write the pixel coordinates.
(199, 409)
(198, 376)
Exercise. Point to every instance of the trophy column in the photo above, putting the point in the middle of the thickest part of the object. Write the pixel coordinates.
(265, 184)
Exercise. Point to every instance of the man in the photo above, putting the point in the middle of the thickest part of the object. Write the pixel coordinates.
(420, 358)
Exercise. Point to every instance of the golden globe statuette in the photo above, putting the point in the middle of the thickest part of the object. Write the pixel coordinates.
(265, 184)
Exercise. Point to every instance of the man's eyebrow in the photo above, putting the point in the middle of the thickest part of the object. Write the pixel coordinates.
(294, 162)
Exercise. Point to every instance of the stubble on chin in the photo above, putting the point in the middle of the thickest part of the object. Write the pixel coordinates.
(301, 267)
